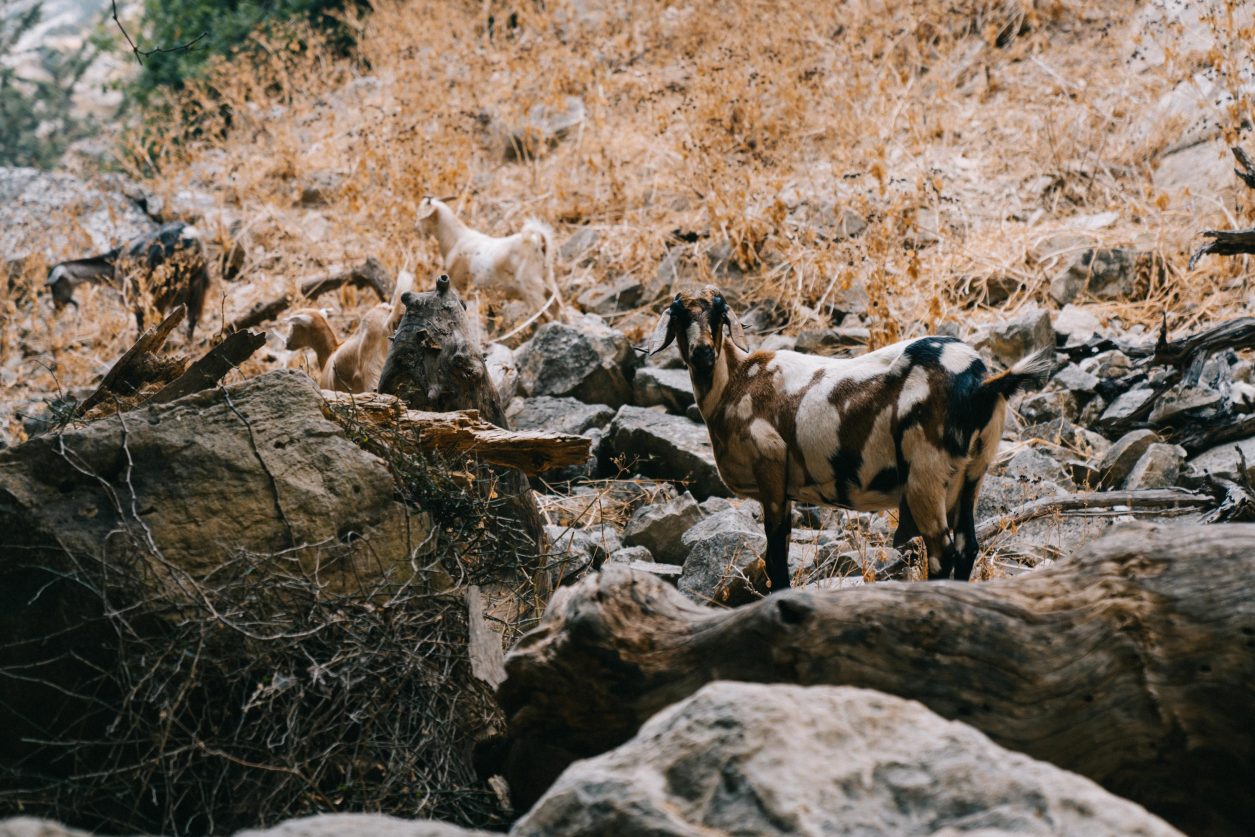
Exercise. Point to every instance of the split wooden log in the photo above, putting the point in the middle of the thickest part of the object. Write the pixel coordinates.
(1132, 664)
(236, 348)
(462, 432)
(137, 367)
(370, 274)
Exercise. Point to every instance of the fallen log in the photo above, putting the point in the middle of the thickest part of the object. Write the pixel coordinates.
(462, 432)
(1160, 502)
(1131, 664)
(236, 348)
(138, 364)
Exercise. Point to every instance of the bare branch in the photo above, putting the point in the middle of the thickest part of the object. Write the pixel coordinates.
(141, 54)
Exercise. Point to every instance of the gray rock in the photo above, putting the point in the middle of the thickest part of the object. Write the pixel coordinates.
(1119, 460)
(1047, 406)
(666, 447)
(1158, 467)
(596, 542)
(361, 825)
(716, 504)
(720, 519)
(623, 294)
(1105, 274)
(1173, 403)
(32, 202)
(1224, 461)
(1075, 326)
(588, 362)
(1019, 337)
(1127, 405)
(558, 415)
(778, 343)
(570, 552)
(999, 494)
(742, 758)
(319, 188)
(1108, 365)
(670, 388)
(717, 560)
(208, 484)
(1035, 465)
(660, 527)
(1075, 379)
(631, 555)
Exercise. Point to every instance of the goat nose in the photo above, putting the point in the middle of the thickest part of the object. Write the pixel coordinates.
(704, 356)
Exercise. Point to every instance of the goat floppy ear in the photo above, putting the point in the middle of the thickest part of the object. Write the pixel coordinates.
(663, 334)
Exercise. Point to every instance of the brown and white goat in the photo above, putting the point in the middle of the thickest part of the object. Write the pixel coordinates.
(914, 426)
(518, 266)
(173, 255)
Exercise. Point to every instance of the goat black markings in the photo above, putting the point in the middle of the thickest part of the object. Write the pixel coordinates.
(914, 426)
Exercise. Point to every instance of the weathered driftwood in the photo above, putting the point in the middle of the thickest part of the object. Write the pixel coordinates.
(1132, 664)
(236, 348)
(1160, 502)
(370, 274)
(136, 368)
(463, 432)
(1231, 334)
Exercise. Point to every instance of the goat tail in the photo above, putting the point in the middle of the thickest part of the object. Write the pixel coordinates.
(1029, 373)
(540, 235)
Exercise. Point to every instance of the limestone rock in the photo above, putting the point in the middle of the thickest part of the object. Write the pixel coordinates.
(741, 758)
(1224, 461)
(558, 415)
(714, 566)
(1158, 467)
(589, 362)
(660, 527)
(621, 295)
(666, 447)
(59, 216)
(1105, 274)
(671, 388)
(1020, 336)
(1119, 460)
(362, 825)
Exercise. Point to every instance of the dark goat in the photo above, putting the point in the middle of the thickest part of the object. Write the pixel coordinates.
(177, 246)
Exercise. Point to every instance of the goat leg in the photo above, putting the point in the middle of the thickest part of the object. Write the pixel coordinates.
(778, 525)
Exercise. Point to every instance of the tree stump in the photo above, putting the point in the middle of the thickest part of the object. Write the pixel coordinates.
(1132, 664)
(436, 363)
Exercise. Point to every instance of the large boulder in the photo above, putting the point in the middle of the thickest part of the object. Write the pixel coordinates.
(1019, 336)
(58, 216)
(667, 447)
(362, 825)
(740, 758)
(589, 362)
(670, 388)
(255, 468)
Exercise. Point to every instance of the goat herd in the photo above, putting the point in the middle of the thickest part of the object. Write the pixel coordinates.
(912, 426)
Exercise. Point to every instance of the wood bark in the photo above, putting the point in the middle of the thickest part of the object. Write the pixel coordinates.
(1231, 242)
(463, 432)
(206, 372)
(135, 368)
(436, 363)
(1132, 664)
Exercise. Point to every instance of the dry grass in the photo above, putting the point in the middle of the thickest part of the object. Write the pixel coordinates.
(966, 133)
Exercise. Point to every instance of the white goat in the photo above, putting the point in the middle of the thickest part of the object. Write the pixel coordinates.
(518, 266)
(914, 426)
(355, 364)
